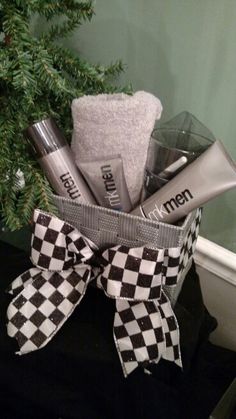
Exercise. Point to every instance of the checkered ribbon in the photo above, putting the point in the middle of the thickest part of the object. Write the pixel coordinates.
(145, 327)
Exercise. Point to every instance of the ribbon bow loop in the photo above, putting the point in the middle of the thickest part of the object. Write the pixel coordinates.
(145, 327)
(56, 245)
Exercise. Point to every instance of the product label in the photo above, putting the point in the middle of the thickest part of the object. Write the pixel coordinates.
(159, 213)
(70, 186)
(111, 192)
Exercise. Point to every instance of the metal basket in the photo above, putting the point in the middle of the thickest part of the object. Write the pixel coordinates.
(106, 228)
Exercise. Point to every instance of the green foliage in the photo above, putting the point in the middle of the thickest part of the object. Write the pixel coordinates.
(38, 78)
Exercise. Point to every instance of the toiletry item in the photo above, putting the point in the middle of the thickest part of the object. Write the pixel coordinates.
(105, 177)
(55, 158)
(110, 124)
(211, 174)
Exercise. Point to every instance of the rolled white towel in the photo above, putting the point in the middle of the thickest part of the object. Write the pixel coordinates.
(109, 124)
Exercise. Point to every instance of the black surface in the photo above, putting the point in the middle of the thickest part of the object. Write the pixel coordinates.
(78, 374)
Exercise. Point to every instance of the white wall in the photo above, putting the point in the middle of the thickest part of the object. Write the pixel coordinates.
(216, 267)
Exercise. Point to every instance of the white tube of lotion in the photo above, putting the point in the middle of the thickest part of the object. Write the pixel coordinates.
(211, 174)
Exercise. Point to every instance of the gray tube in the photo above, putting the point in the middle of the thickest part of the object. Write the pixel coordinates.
(106, 180)
(55, 158)
(211, 174)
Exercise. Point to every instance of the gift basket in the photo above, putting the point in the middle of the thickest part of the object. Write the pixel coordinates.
(112, 230)
(107, 228)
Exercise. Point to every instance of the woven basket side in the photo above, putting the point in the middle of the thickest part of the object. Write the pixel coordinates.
(107, 227)
(186, 256)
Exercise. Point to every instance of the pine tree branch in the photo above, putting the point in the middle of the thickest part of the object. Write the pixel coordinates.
(43, 193)
(39, 78)
(62, 30)
(84, 74)
(50, 9)
(15, 25)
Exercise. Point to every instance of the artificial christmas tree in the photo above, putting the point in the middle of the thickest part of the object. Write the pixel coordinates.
(38, 77)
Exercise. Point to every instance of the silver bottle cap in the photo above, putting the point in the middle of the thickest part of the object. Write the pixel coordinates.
(45, 137)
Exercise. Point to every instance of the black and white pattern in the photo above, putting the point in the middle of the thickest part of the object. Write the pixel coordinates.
(171, 266)
(42, 307)
(189, 244)
(56, 245)
(145, 332)
(47, 295)
(132, 273)
(22, 281)
(171, 331)
(145, 327)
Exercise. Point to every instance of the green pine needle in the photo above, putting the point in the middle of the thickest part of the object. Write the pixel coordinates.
(38, 78)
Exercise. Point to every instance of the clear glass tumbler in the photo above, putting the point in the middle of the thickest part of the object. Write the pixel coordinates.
(170, 151)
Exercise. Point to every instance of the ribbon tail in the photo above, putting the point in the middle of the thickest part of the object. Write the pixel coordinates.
(138, 334)
(170, 328)
(37, 313)
(22, 281)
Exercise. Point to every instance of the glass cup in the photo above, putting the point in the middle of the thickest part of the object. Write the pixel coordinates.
(170, 151)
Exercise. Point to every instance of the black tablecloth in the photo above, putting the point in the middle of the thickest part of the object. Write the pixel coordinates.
(78, 374)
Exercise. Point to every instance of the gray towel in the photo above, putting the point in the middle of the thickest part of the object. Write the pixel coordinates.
(109, 124)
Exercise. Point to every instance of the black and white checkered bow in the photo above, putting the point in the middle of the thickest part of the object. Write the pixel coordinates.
(145, 327)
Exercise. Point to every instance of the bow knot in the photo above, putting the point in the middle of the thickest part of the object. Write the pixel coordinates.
(134, 274)
(145, 327)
